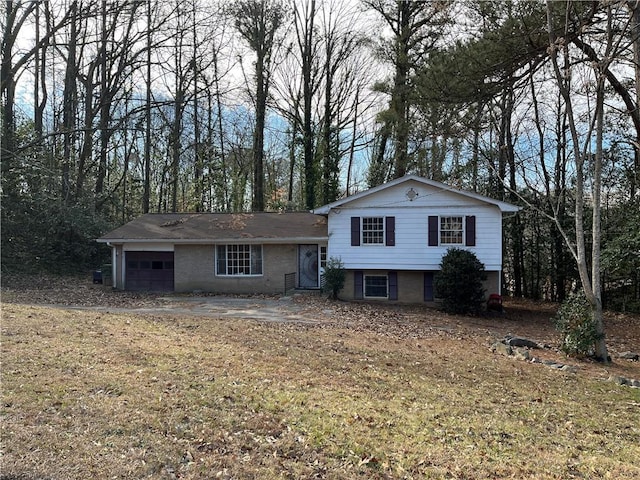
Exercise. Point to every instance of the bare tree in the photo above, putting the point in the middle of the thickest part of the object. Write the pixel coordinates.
(16, 16)
(304, 21)
(416, 28)
(258, 21)
(588, 266)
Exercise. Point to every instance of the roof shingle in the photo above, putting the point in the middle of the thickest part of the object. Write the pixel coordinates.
(213, 227)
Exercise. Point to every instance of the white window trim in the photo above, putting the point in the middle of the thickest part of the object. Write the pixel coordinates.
(384, 232)
(364, 286)
(464, 233)
(238, 275)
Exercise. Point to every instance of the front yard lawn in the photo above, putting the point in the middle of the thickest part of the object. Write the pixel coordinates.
(88, 394)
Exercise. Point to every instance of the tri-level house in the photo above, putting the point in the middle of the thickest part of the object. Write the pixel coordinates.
(390, 239)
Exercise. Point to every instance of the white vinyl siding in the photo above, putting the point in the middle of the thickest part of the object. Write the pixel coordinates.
(411, 251)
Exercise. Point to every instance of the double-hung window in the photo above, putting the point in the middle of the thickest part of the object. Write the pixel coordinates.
(451, 230)
(239, 260)
(373, 230)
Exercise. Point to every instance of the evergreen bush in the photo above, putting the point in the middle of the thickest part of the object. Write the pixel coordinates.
(575, 323)
(459, 282)
(39, 235)
(333, 277)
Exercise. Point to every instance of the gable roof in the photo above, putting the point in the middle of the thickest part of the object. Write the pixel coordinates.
(503, 206)
(263, 227)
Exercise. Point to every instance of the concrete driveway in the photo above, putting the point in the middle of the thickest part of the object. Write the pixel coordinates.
(282, 309)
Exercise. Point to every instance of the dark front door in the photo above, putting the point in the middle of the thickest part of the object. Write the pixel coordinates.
(149, 271)
(308, 266)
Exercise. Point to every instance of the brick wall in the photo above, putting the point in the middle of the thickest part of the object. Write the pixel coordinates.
(195, 270)
(411, 285)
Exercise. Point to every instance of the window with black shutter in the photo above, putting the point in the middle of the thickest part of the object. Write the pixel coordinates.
(355, 231)
(470, 231)
(390, 231)
(373, 231)
(433, 231)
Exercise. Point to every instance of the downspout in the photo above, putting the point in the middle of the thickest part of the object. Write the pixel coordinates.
(117, 282)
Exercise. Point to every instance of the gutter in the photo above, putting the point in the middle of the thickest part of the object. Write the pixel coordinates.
(218, 241)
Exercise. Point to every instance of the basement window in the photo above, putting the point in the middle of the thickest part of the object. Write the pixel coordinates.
(376, 286)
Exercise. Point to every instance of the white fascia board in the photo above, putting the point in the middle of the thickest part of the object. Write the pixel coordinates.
(503, 206)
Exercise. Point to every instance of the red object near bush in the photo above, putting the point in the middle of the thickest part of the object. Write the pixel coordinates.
(494, 303)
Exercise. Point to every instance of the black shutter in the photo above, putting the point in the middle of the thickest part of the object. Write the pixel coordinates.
(433, 231)
(390, 231)
(470, 231)
(428, 286)
(355, 231)
(393, 285)
(357, 285)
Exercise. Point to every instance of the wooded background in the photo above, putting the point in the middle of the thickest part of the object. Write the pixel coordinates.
(111, 109)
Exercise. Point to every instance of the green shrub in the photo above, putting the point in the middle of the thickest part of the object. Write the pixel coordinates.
(459, 282)
(333, 277)
(575, 323)
(40, 235)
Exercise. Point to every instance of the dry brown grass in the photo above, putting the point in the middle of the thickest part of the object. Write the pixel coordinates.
(96, 395)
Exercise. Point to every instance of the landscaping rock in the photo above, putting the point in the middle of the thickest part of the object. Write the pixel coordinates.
(502, 349)
(618, 380)
(569, 369)
(520, 342)
(552, 364)
(629, 356)
(624, 381)
(521, 354)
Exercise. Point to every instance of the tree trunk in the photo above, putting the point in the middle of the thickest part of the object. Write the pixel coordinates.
(592, 294)
(258, 138)
(601, 346)
(225, 201)
(352, 145)
(70, 101)
(305, 30)
(87, 131)
(8, 90)
(634, 5)
(400, 90)
(330, 167)
(176, 145)
(146, 187)
(379, 168)
(292, 162)
(104, 107)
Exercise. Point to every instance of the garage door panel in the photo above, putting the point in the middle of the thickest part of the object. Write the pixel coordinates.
(149, 271)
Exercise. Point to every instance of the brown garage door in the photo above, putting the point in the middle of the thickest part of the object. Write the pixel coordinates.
(149, 271)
